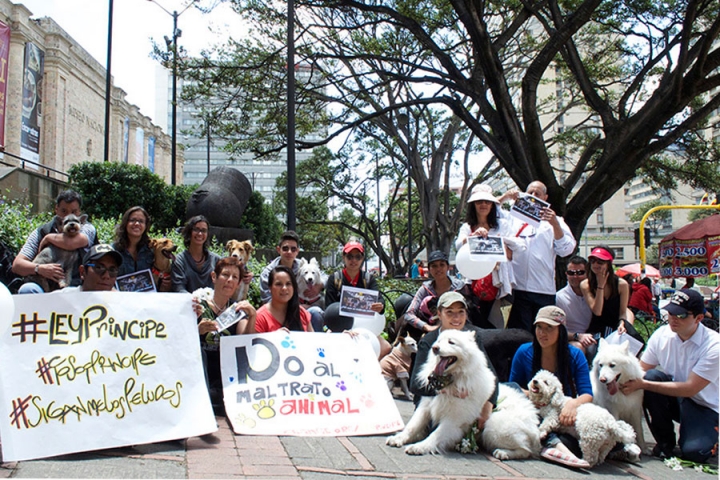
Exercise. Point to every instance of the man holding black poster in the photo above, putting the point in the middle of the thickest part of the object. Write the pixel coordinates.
(534, 268)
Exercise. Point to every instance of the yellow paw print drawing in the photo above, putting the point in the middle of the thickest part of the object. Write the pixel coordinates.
(265, 411)
(246, 421)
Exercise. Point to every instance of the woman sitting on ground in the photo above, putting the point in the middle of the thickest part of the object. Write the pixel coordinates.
(225, 278)
(283, 310)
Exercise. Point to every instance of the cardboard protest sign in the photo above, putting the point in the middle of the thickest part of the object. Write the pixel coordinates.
(305, 384)
(86, 371)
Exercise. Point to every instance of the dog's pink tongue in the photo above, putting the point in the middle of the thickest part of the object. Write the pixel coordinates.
(612, 387)
(441, 366)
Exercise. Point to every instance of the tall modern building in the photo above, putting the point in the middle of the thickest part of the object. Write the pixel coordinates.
(205, 152)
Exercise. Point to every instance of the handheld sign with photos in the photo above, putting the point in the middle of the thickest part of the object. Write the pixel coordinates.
(357, 301)
(528, 209)
(488, 249)
(141, 281)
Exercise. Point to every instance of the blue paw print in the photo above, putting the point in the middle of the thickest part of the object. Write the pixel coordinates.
(321, 352)
(341, 385)
(287, 343)
(357, 376)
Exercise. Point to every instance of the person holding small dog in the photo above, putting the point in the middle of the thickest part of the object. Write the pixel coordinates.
(685, 390)
(226, 278)
(453, 314)
(67, 202)
(192, 269)
(133, 243)
(550, 351)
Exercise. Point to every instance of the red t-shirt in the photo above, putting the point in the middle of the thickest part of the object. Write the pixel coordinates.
(641, 298)
(265, 322)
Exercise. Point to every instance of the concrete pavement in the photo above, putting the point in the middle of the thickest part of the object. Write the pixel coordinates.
(225, 455)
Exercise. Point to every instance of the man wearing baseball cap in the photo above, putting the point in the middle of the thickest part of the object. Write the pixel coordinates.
(352, 276)
(686, 390)
(99, 269)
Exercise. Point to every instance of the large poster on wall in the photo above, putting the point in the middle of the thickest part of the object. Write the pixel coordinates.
(86, 371)
(4, 51)
(32, 103)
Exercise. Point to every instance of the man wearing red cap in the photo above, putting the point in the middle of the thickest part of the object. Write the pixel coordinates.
(351, 276)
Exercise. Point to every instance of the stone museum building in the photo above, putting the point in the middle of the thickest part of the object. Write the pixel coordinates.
(52, 104)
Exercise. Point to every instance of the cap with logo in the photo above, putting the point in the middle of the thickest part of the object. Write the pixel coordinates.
(350, 246)
(551, 315)
(100, 250)
(684, 301)
(602, 254)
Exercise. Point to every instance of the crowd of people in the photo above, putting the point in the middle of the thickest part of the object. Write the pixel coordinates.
(681, 358)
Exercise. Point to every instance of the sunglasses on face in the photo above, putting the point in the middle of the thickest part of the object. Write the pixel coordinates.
(575, 273)
(682, 316)
(354, 257)
(288, 248)
(101, 269)
(200, 230)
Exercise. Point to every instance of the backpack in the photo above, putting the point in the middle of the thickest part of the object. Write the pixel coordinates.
(338, 279)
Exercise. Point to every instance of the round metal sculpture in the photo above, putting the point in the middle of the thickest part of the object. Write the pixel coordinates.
(221, 198)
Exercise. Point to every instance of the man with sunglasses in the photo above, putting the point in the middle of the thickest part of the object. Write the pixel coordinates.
(685, 387)
(99, 269)
(287, 248)
(572, 302)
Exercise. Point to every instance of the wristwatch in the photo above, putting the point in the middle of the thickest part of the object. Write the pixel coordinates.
(575, 336)
(37, 268)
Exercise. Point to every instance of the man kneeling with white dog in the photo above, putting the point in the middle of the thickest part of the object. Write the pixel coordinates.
(686, 390)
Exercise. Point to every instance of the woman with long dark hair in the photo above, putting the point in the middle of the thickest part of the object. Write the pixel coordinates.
(192, 268)
(133, 243)
(550, 351)
(283, 310)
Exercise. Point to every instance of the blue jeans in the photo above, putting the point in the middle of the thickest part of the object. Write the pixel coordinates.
(698, 424)
(317, 318)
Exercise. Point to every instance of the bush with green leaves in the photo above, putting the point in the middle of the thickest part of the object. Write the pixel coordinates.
(110, 188)
(17, 221)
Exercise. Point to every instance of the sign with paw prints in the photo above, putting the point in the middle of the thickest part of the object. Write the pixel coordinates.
(305, 384)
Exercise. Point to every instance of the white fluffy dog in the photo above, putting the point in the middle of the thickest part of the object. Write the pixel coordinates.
(465, 383)
(310, 284)
(595, 428)
(512, 430)
(615, 365)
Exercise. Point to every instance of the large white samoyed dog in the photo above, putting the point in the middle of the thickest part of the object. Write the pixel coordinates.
(466, 384)
(311, 283)
(614, 365)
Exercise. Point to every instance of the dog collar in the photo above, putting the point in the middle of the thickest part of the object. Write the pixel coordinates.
(310, 301)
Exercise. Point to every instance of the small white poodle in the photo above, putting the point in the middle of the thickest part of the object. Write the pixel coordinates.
(595, 428)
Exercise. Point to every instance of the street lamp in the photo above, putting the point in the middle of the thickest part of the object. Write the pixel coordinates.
(108, 85)
(172, 43)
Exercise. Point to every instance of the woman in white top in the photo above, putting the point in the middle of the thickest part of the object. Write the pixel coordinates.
(482, 219)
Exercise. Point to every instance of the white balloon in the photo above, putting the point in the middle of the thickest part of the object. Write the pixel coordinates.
(375, 324)
(366, 335)
(472, 269)
(7, 305)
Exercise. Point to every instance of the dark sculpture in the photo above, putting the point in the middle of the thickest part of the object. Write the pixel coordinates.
(221, 198)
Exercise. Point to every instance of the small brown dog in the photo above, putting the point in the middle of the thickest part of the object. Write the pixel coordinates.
(242, 251)
(164, 250)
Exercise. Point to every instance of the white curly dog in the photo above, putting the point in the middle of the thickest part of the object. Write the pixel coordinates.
(465, 384)
(595, 428)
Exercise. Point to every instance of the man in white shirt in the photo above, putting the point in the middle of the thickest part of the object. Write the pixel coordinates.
(686, 390)
(571, 300)
(534, 268)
